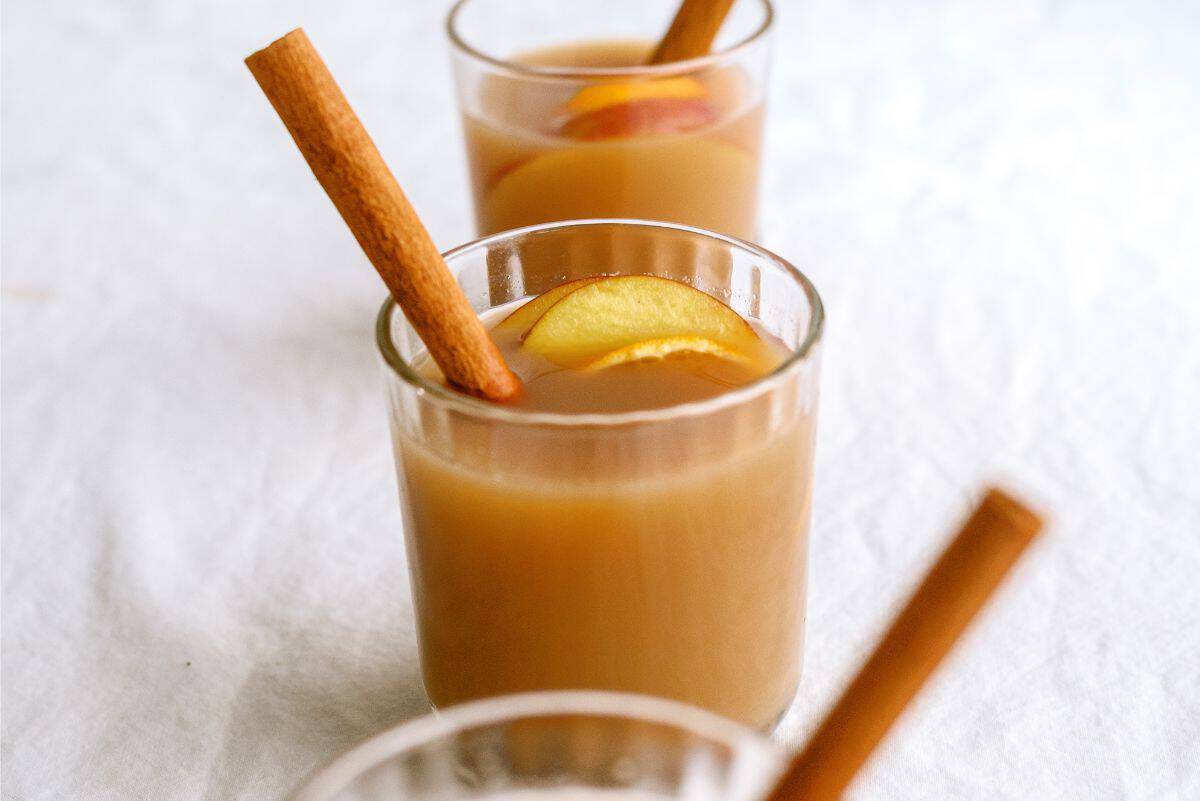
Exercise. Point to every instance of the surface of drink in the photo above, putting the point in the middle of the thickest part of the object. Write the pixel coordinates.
(663, 558)
(682, 148)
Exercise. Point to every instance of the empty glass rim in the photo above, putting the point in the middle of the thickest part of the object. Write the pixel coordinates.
(494, 411)
(576, 73)
(336, 775)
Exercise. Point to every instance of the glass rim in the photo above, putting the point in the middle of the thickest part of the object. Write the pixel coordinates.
(337, 774)
(462, 47)
(476, 407)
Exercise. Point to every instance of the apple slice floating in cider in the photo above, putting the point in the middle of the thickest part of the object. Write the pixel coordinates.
(612, 313)
(645, 117)
(618, 110)
(602, 95)
(529, 313)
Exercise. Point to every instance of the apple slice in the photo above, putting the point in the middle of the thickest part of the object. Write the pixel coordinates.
(620, 311)
(529, 313)
(602, 95)
(655, 349)
(645, 117)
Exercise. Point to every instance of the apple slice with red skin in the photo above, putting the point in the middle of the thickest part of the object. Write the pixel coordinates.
(601, 95)
(645, 117)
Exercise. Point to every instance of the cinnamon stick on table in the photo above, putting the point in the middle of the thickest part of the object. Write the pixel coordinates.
(354, 175)
(951, 595)
(692, 31)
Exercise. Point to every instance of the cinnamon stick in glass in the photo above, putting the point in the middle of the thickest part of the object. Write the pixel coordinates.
(348, 165)
(692, 31)
(949, 598)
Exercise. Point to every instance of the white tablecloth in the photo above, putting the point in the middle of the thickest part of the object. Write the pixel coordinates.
(205, 592)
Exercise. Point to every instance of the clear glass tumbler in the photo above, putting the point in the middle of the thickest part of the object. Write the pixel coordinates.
(564, 120)
(661, 552)
(574, 746)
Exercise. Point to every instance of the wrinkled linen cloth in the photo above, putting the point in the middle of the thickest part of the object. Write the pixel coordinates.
(205, 591)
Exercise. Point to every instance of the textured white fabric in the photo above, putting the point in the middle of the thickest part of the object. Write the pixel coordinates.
(204, 584)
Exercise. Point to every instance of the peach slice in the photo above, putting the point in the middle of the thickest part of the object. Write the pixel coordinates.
(529, 313)
(654, 349)
(602, 95)
(616, 312)
(645, 117)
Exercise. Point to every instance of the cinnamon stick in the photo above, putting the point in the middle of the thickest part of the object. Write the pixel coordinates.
(951, 595)
(348, 166)
(692, 31)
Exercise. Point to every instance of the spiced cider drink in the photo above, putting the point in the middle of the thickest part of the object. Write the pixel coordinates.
(637, 520)
(574, 124)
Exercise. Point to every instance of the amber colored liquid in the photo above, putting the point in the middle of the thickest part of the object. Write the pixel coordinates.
(666, 559)
(524, 171)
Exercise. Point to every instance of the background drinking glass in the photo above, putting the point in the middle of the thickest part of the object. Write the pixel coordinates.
(573, 746)
(660, 552)
(571, 129)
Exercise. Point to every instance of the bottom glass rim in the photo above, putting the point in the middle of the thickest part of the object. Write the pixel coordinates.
(342, 770)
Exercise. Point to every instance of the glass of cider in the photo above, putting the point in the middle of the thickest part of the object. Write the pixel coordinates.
(638, 522)
(564, 119)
